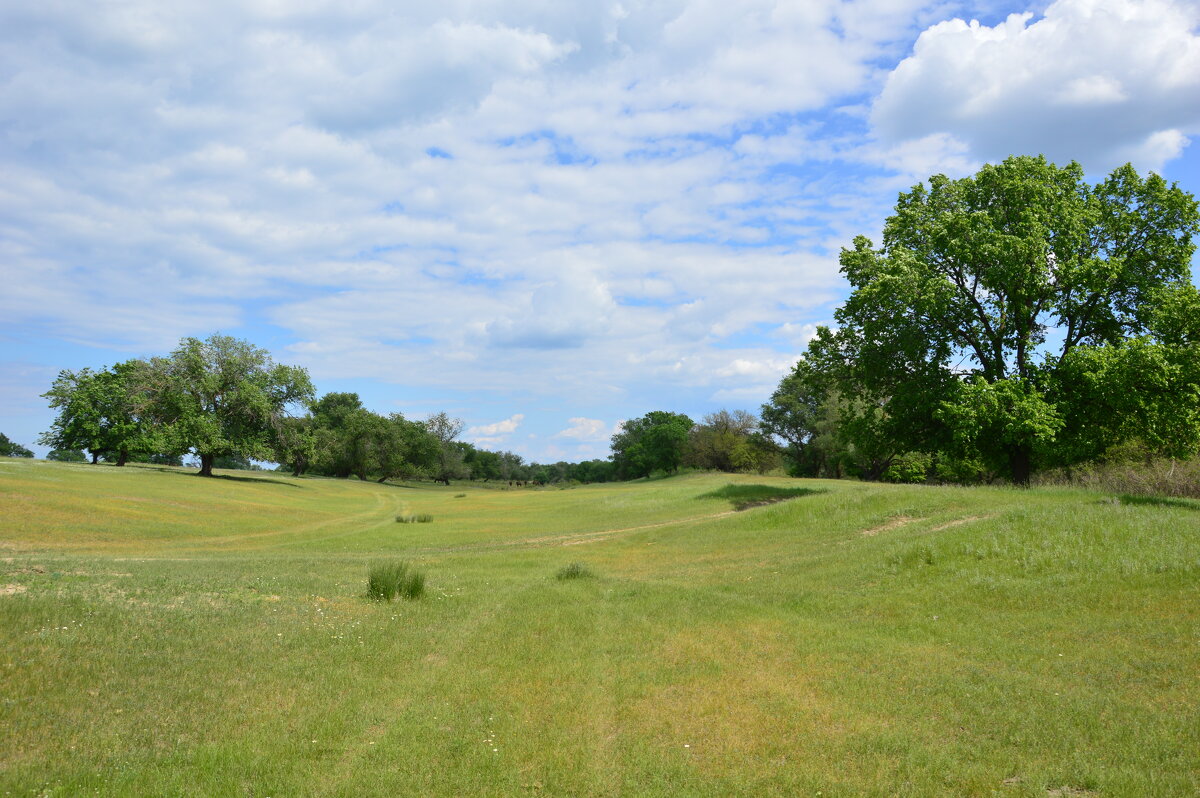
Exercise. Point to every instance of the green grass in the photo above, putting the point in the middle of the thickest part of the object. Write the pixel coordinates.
(575, 570)
(388, 580)
(162, 634)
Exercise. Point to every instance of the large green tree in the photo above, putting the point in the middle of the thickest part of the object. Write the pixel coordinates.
(105, 412)
(655, 442)
(963, 328)
(224, 396)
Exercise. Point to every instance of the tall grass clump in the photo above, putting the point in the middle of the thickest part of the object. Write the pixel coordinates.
(386, 581)
(575, 570)
(414, 518)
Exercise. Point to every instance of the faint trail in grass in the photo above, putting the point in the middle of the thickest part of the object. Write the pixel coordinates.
(574, 538)
(347, 766)
(377, 514)
(895, 523)
(970, 519)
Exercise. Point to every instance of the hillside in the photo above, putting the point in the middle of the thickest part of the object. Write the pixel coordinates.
(170, 635)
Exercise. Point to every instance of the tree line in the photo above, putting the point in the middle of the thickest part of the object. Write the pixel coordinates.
(228, 403)
(1012, 321)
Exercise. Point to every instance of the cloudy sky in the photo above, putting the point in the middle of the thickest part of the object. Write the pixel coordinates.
(540, 217)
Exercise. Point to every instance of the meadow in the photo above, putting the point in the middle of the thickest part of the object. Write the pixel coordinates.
(165, 634)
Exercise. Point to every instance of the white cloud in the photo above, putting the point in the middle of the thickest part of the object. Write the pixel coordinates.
(602, 202)
(493, 433)
(1098, 82)
(586, 429)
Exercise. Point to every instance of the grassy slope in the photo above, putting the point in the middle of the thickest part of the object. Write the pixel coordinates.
(169, 635)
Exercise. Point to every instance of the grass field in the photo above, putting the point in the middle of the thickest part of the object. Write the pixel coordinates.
(170, 635)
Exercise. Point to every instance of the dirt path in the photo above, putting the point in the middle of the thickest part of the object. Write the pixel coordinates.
(574, 538)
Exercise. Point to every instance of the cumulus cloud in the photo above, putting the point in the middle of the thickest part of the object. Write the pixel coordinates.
(1099, 82)
(586, 429)
(497, 432)
(611, 203)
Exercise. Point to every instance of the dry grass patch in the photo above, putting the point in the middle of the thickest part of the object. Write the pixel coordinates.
(895, 523)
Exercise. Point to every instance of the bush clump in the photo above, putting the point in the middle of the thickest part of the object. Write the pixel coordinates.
(414, 518)
(386, 581)
(575, 570)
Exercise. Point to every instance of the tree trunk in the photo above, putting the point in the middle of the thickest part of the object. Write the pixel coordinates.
(1019, 463)
(122, 458)
(206, 464)
(95, 458)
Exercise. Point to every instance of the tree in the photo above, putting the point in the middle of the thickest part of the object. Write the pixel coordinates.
(448, 461)
(224, 396)
(655, 442)
(67, 456)
(731, 441)
(960, 329)
(404, 449)
(103, 411)
(9, 448)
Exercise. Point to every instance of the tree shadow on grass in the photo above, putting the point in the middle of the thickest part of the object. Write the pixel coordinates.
(743, 497)
(231, 478)
(1161, 501)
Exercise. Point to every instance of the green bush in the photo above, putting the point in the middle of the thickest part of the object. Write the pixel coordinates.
(575, 570)
(386, 581)
(418, 518)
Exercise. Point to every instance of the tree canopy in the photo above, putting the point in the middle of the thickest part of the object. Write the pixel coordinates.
(994, 301)
(655, 442)
(224, 396)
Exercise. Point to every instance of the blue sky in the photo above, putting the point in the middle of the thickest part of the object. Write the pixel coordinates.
(543, 218)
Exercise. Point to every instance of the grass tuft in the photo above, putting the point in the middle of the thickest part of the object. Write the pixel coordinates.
(414, 518)
(575, 570)
(460, 495)
(386, 581)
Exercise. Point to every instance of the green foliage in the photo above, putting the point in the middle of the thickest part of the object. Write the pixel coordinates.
(575, 570)
(223, 396)
(9, 448)
(387, 581)
(67, 456)
(415, 518)
(106, 412)
(449, 458)
(731, 442)
(1000, 420)
(655, 442)
(910, 468)
(998, 310)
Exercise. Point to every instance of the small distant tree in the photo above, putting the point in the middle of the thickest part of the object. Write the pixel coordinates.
(449, 462)
(9, 448)
(67, 456)
(722, 442)
(655, 442)
(224, 397)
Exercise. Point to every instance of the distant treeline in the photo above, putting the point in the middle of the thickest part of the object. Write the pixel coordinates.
(1012, 322)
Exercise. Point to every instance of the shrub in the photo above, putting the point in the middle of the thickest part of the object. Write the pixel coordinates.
(386, 581)
(418, 518)
(575, 570)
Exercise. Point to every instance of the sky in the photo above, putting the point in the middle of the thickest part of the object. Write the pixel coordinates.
(542, 218)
